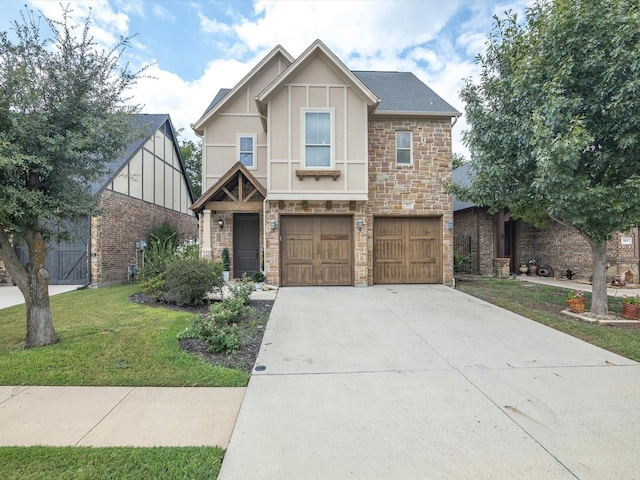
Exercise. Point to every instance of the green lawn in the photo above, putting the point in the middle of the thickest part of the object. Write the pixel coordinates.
(105, 339)
(543, 303)
(117, 463)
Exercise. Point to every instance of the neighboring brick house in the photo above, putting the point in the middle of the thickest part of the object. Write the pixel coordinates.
(141, 189)
(320, 175)
(488, 237)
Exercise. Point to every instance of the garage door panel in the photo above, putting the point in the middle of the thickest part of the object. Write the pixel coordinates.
(407, 250)
(317, 250)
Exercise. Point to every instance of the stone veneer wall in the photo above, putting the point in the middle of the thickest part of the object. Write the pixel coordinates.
(126, 221)
(479, 225)
(223, 237)
(411, 190)
(272, 253)
(4, 275)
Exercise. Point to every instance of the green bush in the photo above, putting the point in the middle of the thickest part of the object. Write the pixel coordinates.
(218, 328)
(188, 249)
(242, 289)
(154, 286)
(225, 259)
(189, 280)
(162, 243)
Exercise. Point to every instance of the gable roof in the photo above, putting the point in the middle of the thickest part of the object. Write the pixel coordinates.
(147, 125)
(222, 98)
(462, 176)
(404, 93)
(224, 181)
(316, 48)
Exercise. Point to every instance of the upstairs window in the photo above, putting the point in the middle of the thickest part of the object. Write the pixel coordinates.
(404, 151)
(317, 139)
(246, 146)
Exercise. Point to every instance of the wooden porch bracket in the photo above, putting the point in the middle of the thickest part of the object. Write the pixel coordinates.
(317, 174)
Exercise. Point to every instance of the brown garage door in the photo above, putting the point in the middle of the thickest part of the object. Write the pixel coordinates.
(317, 250)
(407, 250)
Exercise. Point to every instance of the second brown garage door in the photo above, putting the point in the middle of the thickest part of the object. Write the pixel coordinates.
(407, 250)
(317, 250)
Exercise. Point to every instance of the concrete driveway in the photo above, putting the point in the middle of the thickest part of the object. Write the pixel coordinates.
(422, 382)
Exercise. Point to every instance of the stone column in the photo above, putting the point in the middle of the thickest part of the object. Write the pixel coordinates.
(206, 234)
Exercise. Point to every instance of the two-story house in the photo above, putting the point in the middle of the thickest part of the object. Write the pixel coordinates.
(320, 175)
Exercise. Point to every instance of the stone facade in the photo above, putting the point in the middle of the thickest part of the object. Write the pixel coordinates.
(126, 221)
(4, 275)
(418, 189)
(360, 243)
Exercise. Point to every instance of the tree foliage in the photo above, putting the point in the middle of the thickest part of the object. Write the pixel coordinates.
(555, 120)
(63, 117)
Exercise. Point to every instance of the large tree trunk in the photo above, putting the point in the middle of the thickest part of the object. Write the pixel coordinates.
(33, 282)
(599, 301)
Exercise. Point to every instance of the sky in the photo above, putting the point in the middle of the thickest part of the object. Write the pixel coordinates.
(194, 48)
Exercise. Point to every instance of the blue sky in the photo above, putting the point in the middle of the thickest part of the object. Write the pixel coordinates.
(198, 47)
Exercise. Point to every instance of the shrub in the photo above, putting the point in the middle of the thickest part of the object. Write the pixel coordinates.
(258, 277)
(218, 328)
(161, 248)
(242, 289)
(189, 280)
(189, 249)
(225, 259)
(154, 286)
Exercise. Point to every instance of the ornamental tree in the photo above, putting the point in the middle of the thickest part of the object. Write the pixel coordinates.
(555, 121)
(62, 118)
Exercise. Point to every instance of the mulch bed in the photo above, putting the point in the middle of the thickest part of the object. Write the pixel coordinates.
(244, 359)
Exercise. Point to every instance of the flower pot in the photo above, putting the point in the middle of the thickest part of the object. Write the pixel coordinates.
(523, 269)
(533, 269)
(630, 311)
(225, 275)
(576, 305)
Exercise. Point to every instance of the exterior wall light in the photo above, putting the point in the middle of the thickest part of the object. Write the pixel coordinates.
(273, 224)
(221, 223)
(359, 224)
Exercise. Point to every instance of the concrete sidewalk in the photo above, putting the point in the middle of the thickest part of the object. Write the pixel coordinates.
(118, 416)
(415, 382)
(11, 295)
(630, 290)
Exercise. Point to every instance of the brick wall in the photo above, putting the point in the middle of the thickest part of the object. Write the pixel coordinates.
(563, 249)
(126, 221)
(477, 223)
(411, 190)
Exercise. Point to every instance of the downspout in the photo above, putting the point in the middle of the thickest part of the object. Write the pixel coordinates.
(264, 235)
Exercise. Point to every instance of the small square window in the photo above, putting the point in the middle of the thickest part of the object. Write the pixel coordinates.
(404, 153)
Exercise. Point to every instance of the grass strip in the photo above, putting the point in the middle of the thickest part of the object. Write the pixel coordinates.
(106, 340)
(117, 463)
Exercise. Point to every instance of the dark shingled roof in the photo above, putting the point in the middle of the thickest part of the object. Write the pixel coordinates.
(219, 96)
(399, 92)
(403, 92)
(461, 176)
(148, 124)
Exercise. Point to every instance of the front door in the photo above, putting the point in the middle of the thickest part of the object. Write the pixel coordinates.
(246, 244)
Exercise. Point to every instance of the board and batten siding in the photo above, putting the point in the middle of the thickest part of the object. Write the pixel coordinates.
(317, 86)
(154, 175)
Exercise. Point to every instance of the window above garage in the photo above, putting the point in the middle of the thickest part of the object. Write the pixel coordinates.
(318, 138)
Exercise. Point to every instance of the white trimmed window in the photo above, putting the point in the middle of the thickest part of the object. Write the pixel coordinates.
(404, 148)
(318, 138)
(246, 148)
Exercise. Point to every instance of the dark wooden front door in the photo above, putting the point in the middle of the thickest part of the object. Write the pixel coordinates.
(407, 250)
(246, 244)
(317, 250)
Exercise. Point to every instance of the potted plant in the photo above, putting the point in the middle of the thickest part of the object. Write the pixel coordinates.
(575, 300)
(533, 266)
(225, 264)
(631, 307)
(258, 278)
